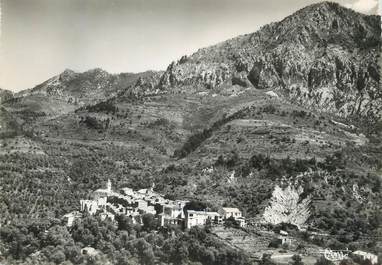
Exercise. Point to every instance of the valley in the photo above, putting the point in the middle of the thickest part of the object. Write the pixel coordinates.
(293, 104)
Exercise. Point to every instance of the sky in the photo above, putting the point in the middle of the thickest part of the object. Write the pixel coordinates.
(42, 38)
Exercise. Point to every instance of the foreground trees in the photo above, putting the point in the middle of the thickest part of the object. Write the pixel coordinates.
(118, 243)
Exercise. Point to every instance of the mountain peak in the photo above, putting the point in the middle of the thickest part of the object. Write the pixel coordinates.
(96, 71)
(67, 75)
(312, 49)
(68, 71)
(325, 6)
(323, 11)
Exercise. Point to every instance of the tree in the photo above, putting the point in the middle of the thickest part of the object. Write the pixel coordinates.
(297, 260)
(323, 261)
(58, 235)
(148, 257)
(275, 243)
(145, 252)
(347, 262)
(86, 231)
(57, 256)
(194, 205)
(123, 257)
(181, 253)
(266, 259)
(286, 206)
(149, 222)
(231, 222)
(73, 253)
(124, 223)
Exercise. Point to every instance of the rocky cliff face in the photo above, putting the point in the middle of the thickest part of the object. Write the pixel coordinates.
(206, 74)
(324, 56)
(328, 62)
(146, 84)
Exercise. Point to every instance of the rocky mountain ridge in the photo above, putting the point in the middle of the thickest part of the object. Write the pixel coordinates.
(84, 88)
(70, 90)
(324, 56)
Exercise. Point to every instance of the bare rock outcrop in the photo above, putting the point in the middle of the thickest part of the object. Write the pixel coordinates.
(208, 75)
(287, 206)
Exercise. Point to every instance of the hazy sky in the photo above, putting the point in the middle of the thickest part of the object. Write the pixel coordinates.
(41, 38)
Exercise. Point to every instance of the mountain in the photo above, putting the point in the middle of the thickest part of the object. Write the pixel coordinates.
(280, 106)
(84, 88)
(70, 90)
(89, 87)
(324, 56)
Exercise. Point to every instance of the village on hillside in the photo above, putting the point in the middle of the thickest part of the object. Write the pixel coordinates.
(108, 203)
(246, 234)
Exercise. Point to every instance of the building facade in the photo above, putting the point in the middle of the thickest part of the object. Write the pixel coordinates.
(200, 218)
(234, 213)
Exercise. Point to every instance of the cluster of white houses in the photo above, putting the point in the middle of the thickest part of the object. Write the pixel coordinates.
(107, 204)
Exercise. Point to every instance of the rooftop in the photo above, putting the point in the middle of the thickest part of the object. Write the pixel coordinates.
(231, 210)
(363, 253)
(203, 213)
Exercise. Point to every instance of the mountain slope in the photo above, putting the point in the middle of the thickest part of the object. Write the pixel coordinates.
(324, 56)
(84, 88)
(69, 91)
